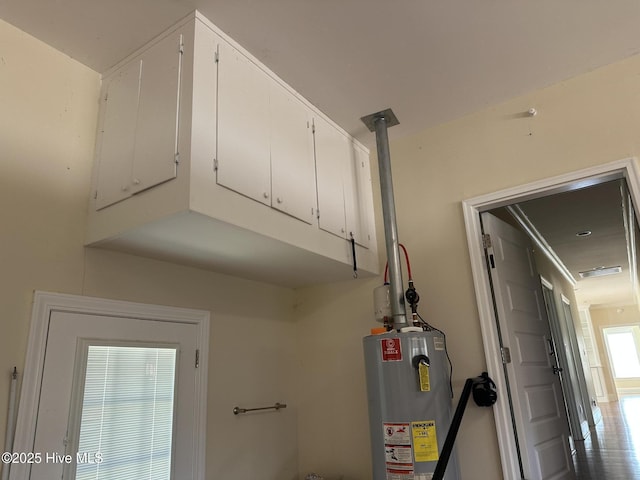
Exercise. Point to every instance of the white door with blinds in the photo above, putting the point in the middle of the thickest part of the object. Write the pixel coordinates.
(117, 399)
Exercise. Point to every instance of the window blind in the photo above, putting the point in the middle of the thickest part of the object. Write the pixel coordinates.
(127, 414)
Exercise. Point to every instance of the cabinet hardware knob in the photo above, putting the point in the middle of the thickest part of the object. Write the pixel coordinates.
(279, 200)
(265, 195)
(136, 181)
(125, 188)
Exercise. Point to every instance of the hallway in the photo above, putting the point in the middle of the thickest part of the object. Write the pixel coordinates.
(612, 451)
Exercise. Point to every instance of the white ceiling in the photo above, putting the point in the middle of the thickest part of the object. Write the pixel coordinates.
(429, 60)
(597, 209)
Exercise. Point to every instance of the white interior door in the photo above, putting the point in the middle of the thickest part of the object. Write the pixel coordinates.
(560, 354)
(576, 371)
(135, 418)
(538, 410)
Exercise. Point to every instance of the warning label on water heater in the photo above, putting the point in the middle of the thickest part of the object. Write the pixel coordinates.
(425, 443)
(400, 474)
(391, 350)
(398, 451)
(423, 374)
(400, 454)
(403, 441)
(397, 434)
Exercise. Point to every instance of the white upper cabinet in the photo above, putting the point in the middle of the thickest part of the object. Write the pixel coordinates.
(206, 157)
(243, 126)
(292, 162)
(138, 143)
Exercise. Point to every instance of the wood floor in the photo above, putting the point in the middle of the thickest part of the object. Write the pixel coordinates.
(612, 452)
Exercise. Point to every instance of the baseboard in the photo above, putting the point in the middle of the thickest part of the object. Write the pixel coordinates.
(610, 397)
(629, 391)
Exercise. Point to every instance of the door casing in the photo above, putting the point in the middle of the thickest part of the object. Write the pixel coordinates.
(625, 168)
(43, 305)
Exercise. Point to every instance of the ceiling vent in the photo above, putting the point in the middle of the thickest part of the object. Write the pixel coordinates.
(600, 271)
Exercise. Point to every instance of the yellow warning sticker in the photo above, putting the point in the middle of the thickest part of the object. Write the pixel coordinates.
(423, 372)
(425, 443)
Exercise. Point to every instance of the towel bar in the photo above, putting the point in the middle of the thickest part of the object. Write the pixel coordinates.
(277, 406)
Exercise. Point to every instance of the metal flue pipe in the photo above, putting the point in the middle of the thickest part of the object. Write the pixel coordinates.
(380, 122)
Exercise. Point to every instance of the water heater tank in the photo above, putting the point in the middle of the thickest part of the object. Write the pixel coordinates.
(410, 411)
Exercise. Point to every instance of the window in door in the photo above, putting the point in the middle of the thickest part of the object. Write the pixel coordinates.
(126, 412)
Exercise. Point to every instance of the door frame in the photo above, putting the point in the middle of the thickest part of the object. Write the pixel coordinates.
(574, 350)
(626, 168)
(44, 303)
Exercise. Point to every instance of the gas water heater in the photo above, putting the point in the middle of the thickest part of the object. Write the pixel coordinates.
(408, 385)
(409, 396)
(407, 367)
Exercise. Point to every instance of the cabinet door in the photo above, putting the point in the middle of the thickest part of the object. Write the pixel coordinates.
(358, 196)
(115, 156)
(156, 147)
(243, 162)
(140, 123)
(365, 197)
(332, 155)
(292, 163)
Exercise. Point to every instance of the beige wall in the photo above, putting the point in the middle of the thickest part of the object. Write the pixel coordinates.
(586, 121)
(47, 125)
(47, 129)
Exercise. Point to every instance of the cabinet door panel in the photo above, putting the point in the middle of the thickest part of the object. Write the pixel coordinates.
(332, 155)
(365, 197)
(292, 163)
(115, 157)
(357, 189)
(157, 126)
(243, 126)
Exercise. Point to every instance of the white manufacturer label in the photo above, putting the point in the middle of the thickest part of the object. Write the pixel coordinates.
(397, 434)
(399, 454)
